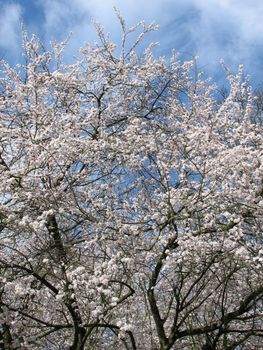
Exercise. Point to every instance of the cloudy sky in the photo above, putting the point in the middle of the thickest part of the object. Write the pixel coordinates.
(210, 29)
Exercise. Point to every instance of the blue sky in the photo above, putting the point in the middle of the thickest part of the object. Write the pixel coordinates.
(210, 29)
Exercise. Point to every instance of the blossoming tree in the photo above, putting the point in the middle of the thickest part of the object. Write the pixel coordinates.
(131, 203)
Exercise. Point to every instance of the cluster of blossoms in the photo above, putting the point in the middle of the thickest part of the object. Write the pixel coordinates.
(131, 203)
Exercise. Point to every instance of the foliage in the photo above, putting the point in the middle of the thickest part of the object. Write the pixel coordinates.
(131, 203)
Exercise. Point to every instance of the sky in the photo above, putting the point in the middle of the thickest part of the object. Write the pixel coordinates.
(213, 30)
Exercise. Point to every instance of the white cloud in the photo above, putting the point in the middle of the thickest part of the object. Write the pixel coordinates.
(9, 29)
(232, 30)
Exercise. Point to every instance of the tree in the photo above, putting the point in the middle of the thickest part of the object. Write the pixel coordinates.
(131, 203)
